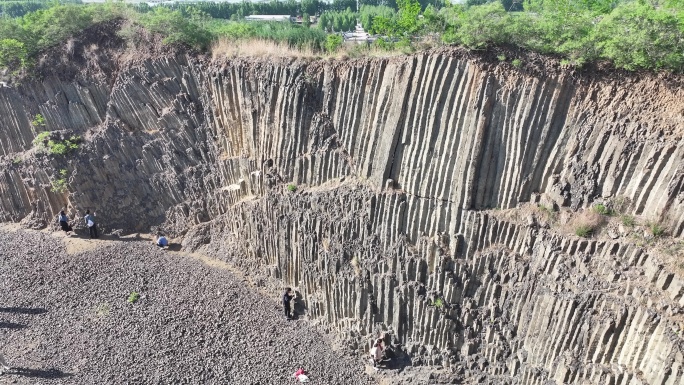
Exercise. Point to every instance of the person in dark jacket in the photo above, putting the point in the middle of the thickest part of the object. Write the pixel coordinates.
(287, 299)
(64, 222)
(90, 222)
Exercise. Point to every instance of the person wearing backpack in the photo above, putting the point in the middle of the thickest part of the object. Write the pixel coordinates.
(92, 226)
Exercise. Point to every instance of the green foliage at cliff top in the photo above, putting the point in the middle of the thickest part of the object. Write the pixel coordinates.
(631, 34)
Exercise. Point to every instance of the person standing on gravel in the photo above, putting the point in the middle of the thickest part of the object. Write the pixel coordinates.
(287, 299)
(92, 226)
(64, 222)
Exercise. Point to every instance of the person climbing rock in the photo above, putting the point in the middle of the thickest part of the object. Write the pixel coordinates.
(287, 299)
(92, 226)
(3, 365)
(162, 241)
(64, 222)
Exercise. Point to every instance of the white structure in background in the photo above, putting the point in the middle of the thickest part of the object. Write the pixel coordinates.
(279, 18)
(359, 34)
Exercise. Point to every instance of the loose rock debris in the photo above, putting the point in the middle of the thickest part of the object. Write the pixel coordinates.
(192, 323)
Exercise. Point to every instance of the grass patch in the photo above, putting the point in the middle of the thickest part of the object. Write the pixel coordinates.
(587, 223)
(602, 209)
(548, 212)
(291, 187)
(657, 229)
(584, 231)
(517, 63)
(628, 220)
(133, 297)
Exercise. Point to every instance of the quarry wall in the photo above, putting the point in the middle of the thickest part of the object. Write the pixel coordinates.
(399, 167)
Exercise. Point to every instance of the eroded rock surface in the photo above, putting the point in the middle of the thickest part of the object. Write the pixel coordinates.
(392, 163)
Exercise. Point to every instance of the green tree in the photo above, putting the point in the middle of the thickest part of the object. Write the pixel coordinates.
(407, 17)
(12, 54)
(333, 42)
(483, 25)
(636, 35)
(309, 6)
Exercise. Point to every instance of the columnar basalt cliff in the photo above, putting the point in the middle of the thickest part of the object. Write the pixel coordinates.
(398, 166)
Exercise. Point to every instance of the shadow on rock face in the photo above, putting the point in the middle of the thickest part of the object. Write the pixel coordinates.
(22, 310)
(35, 373)
(10, 325)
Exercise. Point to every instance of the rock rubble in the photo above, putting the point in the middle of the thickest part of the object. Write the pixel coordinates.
(67, 317)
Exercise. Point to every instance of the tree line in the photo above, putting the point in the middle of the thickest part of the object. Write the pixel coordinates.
(632, 34)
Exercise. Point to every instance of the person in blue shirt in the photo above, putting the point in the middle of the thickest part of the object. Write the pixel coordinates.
(162, 241)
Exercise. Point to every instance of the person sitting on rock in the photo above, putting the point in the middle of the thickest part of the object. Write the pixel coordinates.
(287, 299)
(162, 241)
(64, 222)
(376, 352)
(92, 226)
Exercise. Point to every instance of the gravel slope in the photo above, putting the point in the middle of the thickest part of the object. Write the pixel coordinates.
(65, 319)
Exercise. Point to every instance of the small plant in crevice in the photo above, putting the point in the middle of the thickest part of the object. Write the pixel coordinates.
(133, 297)
(656, 229)
(16, 160)
(60, 184)
(38, 121)
(501, 57)
(602, 209)
(584, 231)
(517, 63)
(292, 187)
(438, 303)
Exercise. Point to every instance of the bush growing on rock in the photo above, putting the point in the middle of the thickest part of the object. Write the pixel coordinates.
(60, 184)
(44, 143)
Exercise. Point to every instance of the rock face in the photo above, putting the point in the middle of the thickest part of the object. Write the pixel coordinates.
(394, 163)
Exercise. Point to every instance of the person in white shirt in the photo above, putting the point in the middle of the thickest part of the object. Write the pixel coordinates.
(376, 352)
